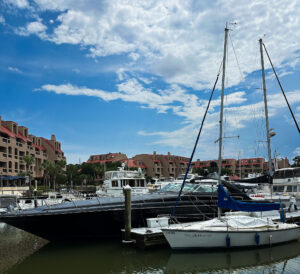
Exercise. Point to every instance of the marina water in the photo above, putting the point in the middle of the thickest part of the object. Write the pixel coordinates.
(24, 253)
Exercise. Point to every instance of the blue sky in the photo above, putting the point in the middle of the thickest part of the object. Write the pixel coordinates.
(134, 77)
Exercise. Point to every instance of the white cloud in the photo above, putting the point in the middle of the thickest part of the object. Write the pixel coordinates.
(19, 3)
(2, 20)
(36, 28)
(14, 69)
(181, 41)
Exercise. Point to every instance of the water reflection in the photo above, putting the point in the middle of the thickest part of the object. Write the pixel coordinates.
(261, 258)
(104, 257)
(113, 257)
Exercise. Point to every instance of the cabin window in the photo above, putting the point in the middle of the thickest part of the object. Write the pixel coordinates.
(114, 183)
(294, 188)
(131, 183)
(115, 175)
(280, 188)
(142, 183)
(297, 172)
(289, 189)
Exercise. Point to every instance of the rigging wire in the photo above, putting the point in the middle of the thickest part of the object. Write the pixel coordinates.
(237, 61)
(195, 146)
(296, 123)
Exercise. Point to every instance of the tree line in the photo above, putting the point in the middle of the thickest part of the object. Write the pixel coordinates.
(59, 174)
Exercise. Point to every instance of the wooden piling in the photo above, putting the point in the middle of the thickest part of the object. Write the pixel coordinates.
(35, 197)
(127, 214)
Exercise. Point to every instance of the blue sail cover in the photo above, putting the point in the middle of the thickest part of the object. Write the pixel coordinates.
(225, 201)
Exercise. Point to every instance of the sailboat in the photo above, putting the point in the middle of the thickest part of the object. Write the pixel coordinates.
(237, 230)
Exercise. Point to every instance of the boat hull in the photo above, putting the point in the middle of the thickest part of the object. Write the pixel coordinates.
(102, 222)
(186, 239)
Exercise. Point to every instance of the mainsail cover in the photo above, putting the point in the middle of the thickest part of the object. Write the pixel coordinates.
(225, 201)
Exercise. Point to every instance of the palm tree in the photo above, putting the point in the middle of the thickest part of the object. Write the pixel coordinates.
(71, 170)
(46, 166)
(57, 168)
(29, 160)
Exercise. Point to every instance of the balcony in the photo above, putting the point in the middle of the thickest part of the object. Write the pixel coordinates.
(9, 156)
(16, 157)
(19, 144)
(37, 153)
(6, 140)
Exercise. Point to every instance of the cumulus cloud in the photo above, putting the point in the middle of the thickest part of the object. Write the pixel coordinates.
(36, 28)
(18, 3)
(180, 41)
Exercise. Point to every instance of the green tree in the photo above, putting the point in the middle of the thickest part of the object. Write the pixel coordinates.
(72, 171)
(47, 167)
(57, 169)
(29, 160)
(296, 162)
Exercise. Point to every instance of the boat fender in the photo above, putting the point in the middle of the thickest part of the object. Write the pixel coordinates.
(227, 241)
(256, 238)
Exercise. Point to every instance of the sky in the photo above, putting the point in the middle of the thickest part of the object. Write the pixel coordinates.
(135, 76)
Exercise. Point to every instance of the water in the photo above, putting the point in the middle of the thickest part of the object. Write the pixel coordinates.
(24, 253)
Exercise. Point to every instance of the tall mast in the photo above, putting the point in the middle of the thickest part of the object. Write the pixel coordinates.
(266, 105)
(221, 112)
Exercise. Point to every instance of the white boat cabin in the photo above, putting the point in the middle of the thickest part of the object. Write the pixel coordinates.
(116, 180)
(286, 184)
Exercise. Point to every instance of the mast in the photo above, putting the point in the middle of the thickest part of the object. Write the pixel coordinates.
(266, 105)
(221, 112)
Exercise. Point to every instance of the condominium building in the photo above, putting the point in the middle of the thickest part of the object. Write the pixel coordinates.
(229, 164)
(164, 166)
(15, 143)
(108, 157)
(243, 167)
(159, 165)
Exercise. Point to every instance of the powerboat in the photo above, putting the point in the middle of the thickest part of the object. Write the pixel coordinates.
(101, 217)
(116, 180)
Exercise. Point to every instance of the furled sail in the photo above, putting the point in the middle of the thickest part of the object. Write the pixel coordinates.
(225, 201)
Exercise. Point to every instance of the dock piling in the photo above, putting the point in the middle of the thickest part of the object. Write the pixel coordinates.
(35, 197)
(127, 215)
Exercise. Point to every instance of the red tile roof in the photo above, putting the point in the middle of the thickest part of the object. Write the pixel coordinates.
(39, 147)
(14, 135)
(6, 131)
(132, 163)
(49, 143)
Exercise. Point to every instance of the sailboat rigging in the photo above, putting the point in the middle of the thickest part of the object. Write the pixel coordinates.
(238, 230)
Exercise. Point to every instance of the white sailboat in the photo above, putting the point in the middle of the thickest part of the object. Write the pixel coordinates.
(233, 230)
